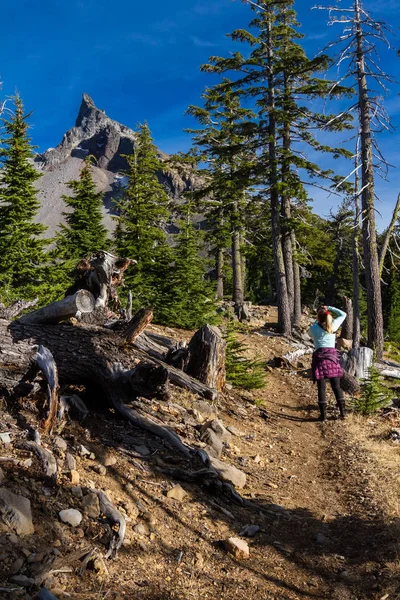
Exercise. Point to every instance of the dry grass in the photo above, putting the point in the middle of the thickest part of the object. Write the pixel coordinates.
(372, 436)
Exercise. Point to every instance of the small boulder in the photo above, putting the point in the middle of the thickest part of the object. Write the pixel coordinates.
(250, 530)
(16, 512)
(177, 493)
(71, 516)
(5, 438)
(70, 462)
(219, 428)
(344, 345)
(74, 476)
(142, 529)
(23, 581)
(60, 443)
(76, 491)
(143, 450)
(108, 460)
(229, 473)
(100, 469)
(16, 566)
(237, 547)
(91, 505)
(214, 445)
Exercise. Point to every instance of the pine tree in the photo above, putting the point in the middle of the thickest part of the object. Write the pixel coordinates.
(21, 245)
(374, 394)
(143, 213)
(280, 78)
(226, 144)
(241, 372)
(84, 233)
(190, 302)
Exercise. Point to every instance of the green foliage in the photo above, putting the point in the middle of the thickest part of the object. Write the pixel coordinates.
(143, 213)
(22, 249)
(241, 372)
(374, 394)
(190, 298)
(392, 306)
(84, 233)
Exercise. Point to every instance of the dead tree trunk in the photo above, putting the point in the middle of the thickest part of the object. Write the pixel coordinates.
(371, 262)
(220, 273)
(356, 261)
(388, 235)
(206, 357)
(347, 327)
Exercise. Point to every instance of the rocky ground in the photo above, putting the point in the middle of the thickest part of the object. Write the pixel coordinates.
(320, 517)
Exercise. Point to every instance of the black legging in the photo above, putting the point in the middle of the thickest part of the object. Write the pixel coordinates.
(335, 385)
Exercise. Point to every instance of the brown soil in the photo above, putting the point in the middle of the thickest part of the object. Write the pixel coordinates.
(322, 494)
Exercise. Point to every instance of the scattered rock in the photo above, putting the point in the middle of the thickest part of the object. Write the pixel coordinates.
(344, 345)
(5, 438)
(321, 539)
(394, 435)
(229, 473)
(100, 469)
(71, 516)
(142, 529)
(143, 450)
(16, 512)
(23, 581)
(91, 505)
(257, 459)
(237, 547)
(36, 557)
(74, 476)
(214, 445)
(219, 428)
(83, 451)
(204, 410)
(16, 566)
(109, 460)
(232, 429)
(60, 443)
(70, 462)
(76, 491)
(177, 493)
(250, 530)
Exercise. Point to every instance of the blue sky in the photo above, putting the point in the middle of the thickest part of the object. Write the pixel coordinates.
(140, 61)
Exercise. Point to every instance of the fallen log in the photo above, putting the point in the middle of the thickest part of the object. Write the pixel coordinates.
(16, 308)
(138, 323)
(80, 302)
(116, 518)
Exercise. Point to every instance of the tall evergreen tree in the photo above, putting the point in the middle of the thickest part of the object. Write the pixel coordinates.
(21, 245)
(84, 232)
(143, 214)
(191, 298)
(280, 78)
(226, 144)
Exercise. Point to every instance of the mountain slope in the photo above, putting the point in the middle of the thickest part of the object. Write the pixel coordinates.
(108, 141)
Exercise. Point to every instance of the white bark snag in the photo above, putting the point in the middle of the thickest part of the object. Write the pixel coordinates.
(47, 365)
(388, 235)
(359, 361)
(82, 301)
(206, 357)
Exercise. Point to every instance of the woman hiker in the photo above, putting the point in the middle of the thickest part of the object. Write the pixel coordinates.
(325, 360)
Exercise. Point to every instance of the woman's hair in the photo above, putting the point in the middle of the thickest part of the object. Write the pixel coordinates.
(325, 319)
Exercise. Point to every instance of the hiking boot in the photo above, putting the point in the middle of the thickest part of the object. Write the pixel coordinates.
(342, 408)
(322, 410)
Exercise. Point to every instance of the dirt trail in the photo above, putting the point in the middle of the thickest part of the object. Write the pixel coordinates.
(325, 530)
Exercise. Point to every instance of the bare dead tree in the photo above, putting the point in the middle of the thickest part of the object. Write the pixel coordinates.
(356, 256)
(358, 50)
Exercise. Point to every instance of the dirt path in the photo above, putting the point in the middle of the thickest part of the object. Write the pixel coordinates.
(316, 493)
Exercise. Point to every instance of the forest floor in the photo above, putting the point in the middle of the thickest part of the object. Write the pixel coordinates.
(325, 496)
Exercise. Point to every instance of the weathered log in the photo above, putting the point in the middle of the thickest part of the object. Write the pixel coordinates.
(45, 362)
(117, 519)
(138, 323)
(49, 463)
(81, 302)
(15, 308)
(206, 357)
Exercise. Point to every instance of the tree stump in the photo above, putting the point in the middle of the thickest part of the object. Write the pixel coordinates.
(206, 357)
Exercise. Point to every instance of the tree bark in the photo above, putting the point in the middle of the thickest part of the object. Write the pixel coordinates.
(220, 273)
(238, 296)
(284, 320)
(297, 286)
(206, 357)
(347, 327)
(356, 262)
(371, 262)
